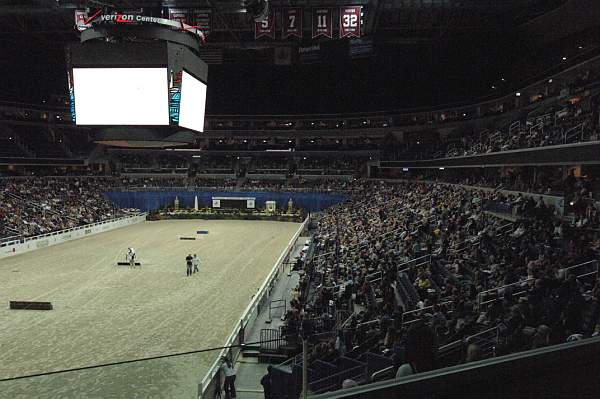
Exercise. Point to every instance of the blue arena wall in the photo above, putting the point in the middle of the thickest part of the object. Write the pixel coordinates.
(151, 200)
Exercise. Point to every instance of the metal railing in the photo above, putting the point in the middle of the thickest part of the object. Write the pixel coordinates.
(421, 260)
(334, 381)
(487, 341)
(271, 307)
(590, 268)
(574, 132)
(513, 126)
(480, 297)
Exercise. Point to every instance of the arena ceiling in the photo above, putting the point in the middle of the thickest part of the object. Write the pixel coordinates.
(384, 21)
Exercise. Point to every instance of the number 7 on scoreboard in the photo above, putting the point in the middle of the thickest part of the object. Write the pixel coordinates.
(291, 22)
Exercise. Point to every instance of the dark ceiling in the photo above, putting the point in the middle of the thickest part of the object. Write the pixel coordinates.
(412, 53)
(384, 21)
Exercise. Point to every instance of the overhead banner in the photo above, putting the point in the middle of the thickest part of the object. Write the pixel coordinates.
(179, 14)
(322, 22)
(202, 21)
(136, 19)
(81, 20)
(291, 22)
(265, 28)
(350, 21)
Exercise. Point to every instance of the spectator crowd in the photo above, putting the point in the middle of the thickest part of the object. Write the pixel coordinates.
(414, 267)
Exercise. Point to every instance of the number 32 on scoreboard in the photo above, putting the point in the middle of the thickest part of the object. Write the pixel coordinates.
(350, 20)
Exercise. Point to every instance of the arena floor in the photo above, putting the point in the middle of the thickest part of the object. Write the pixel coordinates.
(104, 313)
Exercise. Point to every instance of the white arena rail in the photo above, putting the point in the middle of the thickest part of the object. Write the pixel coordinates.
(212, 379)
(16, 246)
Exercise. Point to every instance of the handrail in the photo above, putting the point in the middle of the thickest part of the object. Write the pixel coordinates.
(391, 368)
(564, 271)
(380, 372)
(345, 373)
(577, 129)
(412, 261)
(538, 125)
(367, 323)
(425, 308)
(513, 126)
(471, 337)
(482, 293)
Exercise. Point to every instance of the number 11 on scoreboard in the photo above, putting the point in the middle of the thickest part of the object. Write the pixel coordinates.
(322, 22)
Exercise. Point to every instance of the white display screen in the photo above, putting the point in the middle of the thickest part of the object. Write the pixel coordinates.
(193, 103)
(121, 96)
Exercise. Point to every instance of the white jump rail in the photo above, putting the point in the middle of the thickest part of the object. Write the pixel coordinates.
(248, 314)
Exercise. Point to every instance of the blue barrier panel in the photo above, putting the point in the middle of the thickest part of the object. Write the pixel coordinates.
(152, 200)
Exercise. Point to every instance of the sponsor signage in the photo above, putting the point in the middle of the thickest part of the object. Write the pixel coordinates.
(137, 19)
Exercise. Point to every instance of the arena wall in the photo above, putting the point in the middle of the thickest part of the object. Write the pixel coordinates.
(19, 246)
(152, 200)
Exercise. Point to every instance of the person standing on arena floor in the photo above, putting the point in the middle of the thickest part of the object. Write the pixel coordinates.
(188, 261)
(195, 262)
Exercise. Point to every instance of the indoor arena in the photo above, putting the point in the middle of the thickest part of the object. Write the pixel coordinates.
(316, 199)
(104, 313)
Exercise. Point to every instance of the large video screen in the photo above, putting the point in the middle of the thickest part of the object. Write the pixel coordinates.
(193, 103)
(121, 96)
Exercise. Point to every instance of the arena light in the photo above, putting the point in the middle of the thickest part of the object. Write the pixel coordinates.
(518, 94)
